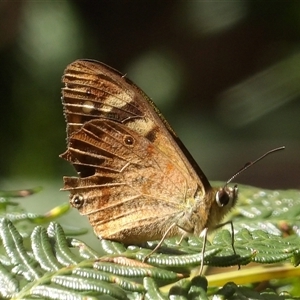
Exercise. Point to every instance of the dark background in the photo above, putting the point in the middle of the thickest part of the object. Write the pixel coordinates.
(226, 75)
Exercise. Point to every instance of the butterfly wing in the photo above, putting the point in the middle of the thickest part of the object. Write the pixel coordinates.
(130, 190)
(140, 186)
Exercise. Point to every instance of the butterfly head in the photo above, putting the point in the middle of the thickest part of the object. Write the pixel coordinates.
(226, 196)
(222, 201)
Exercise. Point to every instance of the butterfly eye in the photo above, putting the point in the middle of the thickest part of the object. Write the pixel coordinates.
(128, 140)
(222, 198)
(77, 201)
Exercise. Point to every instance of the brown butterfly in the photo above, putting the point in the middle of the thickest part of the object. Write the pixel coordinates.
(137, 182)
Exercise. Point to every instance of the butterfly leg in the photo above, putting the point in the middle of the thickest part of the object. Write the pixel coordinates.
(232, 236)
(160, 242)
(203, 234)
(181, 239)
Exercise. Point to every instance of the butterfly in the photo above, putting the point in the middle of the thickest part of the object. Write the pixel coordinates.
(136, 180)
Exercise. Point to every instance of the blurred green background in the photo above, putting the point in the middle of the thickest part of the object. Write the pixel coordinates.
(225, 74)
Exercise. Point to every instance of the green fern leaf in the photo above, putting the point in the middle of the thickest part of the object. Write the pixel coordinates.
(54, 266)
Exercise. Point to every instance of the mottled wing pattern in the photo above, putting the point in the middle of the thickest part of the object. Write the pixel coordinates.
(131, 191)
(134, 174)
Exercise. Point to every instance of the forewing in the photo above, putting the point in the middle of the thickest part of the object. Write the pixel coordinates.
(93, 90)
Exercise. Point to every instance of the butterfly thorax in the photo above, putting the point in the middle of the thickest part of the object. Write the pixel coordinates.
(208, 210)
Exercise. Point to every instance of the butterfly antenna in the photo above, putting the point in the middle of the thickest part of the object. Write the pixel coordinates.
(251, 163)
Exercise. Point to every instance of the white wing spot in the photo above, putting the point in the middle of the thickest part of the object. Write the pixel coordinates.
(118, 101)
(87, 107)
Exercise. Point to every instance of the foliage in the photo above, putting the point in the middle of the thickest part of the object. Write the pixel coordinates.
(50, 265)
